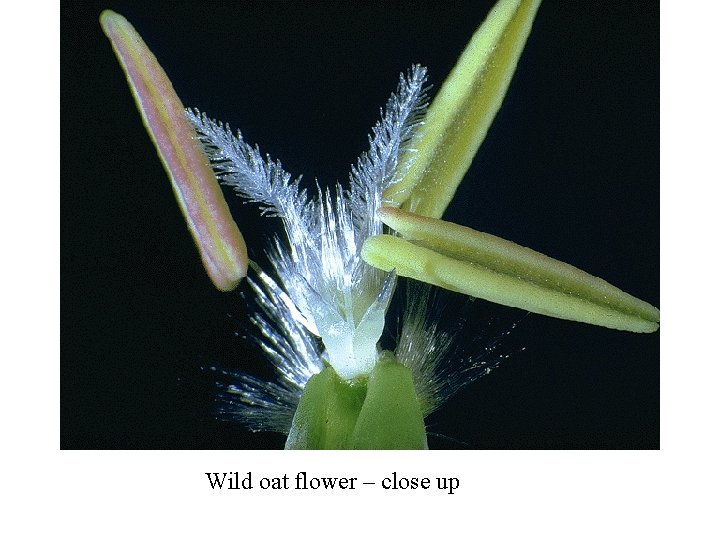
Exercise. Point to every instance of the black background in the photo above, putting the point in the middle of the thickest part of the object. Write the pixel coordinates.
(570, 168)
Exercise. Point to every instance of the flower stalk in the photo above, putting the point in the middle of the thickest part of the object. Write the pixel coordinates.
(380, 412)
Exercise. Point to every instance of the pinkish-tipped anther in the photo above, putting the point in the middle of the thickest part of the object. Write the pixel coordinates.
(218, 238)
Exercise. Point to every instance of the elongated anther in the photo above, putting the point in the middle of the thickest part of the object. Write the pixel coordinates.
(486, 266)
(221, 245)
(460, 115)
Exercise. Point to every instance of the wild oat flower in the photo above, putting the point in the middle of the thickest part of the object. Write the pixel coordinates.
(322, 303)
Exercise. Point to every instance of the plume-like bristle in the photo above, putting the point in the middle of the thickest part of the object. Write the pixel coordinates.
(439, 368)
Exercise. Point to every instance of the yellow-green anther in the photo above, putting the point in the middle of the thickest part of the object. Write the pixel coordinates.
(485, 266)
(216, 235)
(460, 115)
